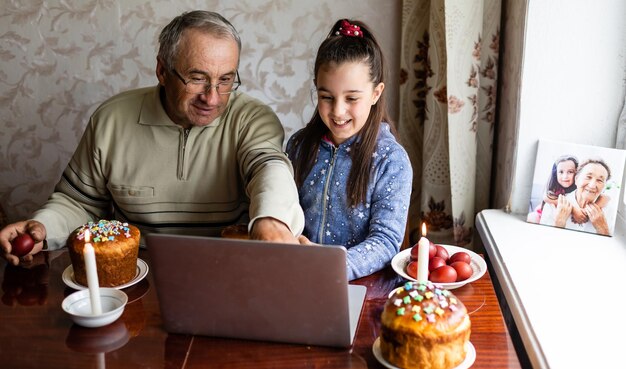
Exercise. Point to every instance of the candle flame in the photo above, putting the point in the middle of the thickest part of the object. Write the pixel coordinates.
(423, 229)
(87, 235)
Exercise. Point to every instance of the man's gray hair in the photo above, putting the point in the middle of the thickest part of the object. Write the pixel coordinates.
(209, 22)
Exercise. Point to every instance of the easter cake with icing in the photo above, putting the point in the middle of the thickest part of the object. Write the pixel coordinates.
(116, 246)
(424, 326)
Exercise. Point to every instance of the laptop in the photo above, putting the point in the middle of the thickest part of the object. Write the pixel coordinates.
(255, 290)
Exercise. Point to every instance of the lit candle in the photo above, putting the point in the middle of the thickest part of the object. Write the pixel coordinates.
(92, 276)
(422, 256)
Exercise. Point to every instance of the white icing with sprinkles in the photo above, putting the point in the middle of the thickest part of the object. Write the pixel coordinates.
(104, 230)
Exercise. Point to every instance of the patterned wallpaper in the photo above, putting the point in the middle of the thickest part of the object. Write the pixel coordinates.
(61, 58)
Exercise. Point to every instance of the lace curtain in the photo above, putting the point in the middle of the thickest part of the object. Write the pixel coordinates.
(447, 114)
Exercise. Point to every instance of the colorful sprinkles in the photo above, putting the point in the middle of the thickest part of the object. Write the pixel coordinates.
(424, 301)
(103, 230)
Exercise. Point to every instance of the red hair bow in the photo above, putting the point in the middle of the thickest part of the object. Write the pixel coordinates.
(348, 29)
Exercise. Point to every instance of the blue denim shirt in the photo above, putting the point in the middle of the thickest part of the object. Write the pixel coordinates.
(372, 231)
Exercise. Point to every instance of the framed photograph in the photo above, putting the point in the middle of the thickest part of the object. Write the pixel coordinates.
(576, 187)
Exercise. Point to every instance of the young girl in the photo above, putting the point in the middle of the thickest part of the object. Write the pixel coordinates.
(561, 179)
(353, 177)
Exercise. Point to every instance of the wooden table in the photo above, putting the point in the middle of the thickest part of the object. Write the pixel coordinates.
(36, 333)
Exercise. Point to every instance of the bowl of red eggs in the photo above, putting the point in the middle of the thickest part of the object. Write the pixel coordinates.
(448, 266)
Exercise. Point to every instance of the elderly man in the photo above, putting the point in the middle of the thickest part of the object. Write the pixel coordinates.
(190, 155)
(590, 180)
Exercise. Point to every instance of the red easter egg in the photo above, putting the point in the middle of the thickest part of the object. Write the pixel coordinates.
(22, 245)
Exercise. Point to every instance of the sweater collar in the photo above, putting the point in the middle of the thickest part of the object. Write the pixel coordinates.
(152, 112)
(327, 142)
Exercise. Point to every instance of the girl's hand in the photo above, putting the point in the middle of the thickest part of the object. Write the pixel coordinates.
(550, 199)
(579, 216)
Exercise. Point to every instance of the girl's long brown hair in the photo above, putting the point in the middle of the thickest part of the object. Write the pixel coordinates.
(338, 49)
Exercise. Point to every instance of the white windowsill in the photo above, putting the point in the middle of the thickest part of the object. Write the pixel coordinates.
(565, 289)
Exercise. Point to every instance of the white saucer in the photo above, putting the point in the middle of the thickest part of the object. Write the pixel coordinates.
(142, 271)
(469, 358)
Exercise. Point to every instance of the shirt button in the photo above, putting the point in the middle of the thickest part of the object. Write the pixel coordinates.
(132, 192)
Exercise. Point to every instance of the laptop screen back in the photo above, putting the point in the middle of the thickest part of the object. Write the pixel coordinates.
(254, 290)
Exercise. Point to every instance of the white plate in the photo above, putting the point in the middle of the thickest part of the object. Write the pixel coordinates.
(142, 271)
(470, 357)
(478, 264)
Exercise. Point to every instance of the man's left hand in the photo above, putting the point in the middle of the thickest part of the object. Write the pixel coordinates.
(270, 229)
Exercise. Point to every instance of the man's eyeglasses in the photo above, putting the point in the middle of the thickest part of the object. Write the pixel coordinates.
(201, 86)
